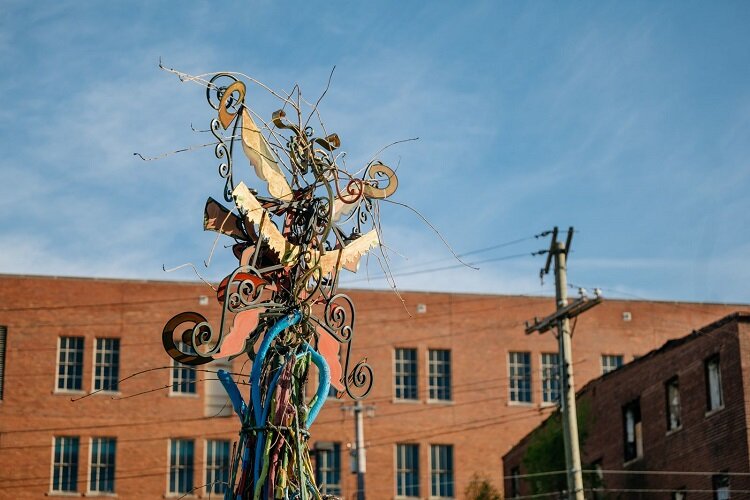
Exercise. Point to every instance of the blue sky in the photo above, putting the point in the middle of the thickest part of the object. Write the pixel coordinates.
(627, 120)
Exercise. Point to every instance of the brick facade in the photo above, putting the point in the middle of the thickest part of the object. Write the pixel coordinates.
(702, 439)
(479, 421)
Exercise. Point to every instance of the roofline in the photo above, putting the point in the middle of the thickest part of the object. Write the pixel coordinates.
(738, 316)
(368, 290)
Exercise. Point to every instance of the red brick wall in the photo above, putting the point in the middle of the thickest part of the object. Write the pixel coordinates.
(706, 442)
(479, 422)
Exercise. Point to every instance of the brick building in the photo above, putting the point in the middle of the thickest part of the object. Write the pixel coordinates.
(678, 410)
(456, 384)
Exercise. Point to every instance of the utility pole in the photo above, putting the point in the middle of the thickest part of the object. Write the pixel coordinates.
(558, 251)
(359, 465)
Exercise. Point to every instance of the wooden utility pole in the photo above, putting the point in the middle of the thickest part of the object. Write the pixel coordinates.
(558, 251)
(359, 431)
(359, 464)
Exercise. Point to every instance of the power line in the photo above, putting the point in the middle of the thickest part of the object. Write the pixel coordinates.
(436, 269)
(656, 490)
(634, 473)
(667, 473)
(472, 252)
(97, 305)
(472, 425)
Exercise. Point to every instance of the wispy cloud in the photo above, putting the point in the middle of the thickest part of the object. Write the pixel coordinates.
(628, 122)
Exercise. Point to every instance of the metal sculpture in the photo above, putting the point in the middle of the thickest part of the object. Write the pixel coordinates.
(282, 296)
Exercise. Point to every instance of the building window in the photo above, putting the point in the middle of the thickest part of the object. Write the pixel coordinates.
(217, 466)
(713, 383)
(550, 377)
(611, 362)
(183, 376)
(107, 364)
(70, 364)
(515, 482)
(631, 415)
(405, 373)
(3, 342)
(407, 470)
(216, 402)
(519, 364)
(441, 470)
(333, 393)
(102, 469)
(65, 464)
(674, 410)
(328, 468)
(440, 374)
(597, 481)
(721, 487)
(181, 465)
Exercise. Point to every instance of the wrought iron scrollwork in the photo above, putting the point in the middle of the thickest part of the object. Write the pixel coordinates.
(291, 247)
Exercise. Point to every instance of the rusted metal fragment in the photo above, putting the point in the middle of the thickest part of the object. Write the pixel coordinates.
(255, 214)
(243, 325)
(262, 159)
(328, 347)
(218, 218)
(349, 256)
(380, 170)
(225, 116)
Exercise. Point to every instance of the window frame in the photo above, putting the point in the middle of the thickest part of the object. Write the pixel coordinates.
(606, 368)
(396, 374)
(89, 476)
(75, 465)
(450, 472)
(513, 392)
(332, 452)
(95, 378)
(637, 445)
(189, 466)
(447, 376)
(515, 482)
(403, 470)
(215, 471)
(723, 477)
(553, 378)
(670, 407)
(216, 401)
(710, 408)
(79, 362)
(176, 365)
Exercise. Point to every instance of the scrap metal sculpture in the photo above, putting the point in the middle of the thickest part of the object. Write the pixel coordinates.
(280, 305)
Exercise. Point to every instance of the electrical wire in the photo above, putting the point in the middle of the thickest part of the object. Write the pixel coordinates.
(471, 252)
(436, 269)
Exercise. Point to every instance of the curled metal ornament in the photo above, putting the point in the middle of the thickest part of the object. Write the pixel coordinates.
(194, 343)
(310, 281)
(321, 216)
(217, 88)
(364, 212)
(222, 152)
(359, 378)
(230, 103)
(244, 288)
(338, 317)
(372, 188)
